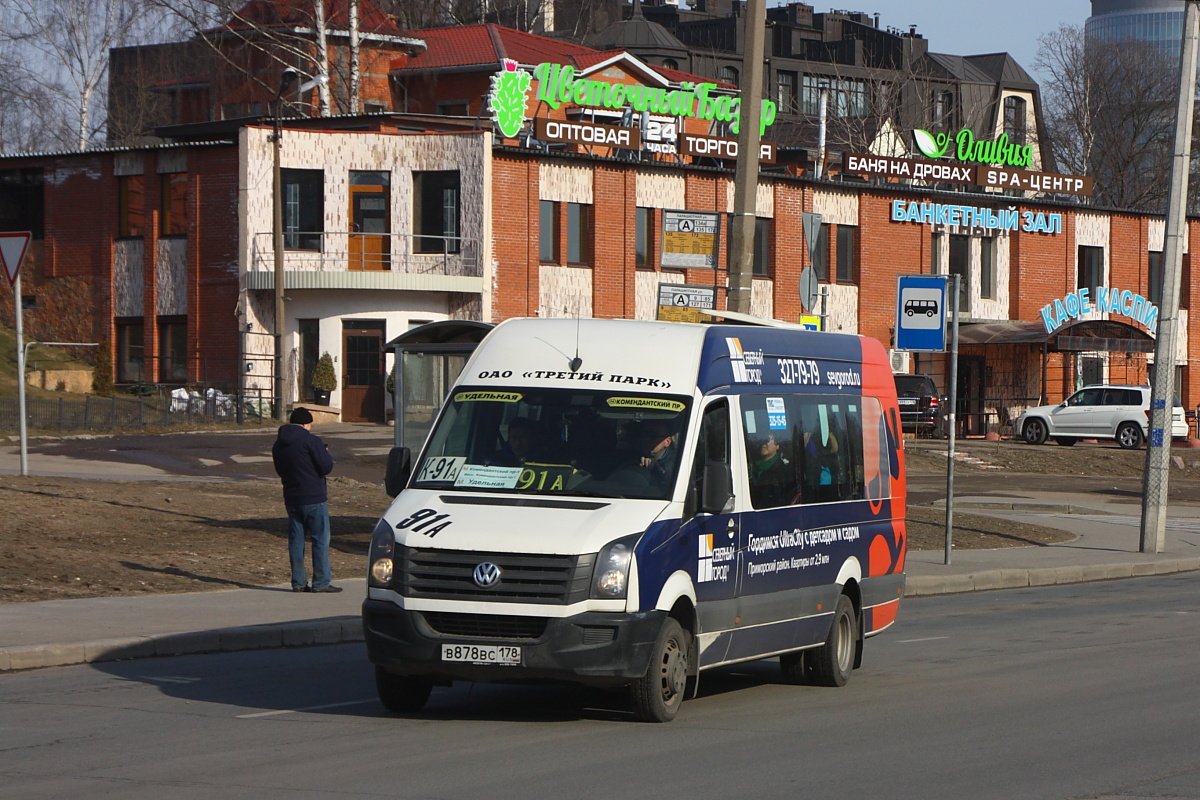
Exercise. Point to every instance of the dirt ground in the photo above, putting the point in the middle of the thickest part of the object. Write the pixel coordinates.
(68, 538)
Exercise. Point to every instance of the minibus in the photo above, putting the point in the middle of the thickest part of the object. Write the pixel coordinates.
(628, 503)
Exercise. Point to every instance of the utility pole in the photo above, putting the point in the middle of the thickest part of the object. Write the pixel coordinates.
(1162, 395)
(745, 180)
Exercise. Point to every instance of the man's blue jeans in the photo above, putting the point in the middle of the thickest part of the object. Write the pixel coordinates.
(312, 521)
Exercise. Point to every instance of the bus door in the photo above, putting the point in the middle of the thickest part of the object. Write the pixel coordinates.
(715, 539)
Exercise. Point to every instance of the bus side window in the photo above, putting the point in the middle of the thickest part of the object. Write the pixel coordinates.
(712, 446)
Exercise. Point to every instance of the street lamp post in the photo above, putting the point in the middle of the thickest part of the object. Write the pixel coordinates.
(286, 80)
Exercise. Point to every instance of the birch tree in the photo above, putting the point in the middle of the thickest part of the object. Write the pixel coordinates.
(65, 45)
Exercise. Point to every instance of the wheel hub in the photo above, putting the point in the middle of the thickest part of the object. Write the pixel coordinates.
(674, 673)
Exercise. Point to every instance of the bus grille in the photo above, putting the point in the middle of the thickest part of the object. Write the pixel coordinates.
(524, 578)
(485, 626)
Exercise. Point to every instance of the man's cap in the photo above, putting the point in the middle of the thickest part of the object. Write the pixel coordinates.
(300, 416)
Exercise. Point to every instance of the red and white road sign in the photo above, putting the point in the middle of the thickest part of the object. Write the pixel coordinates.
(12, 252)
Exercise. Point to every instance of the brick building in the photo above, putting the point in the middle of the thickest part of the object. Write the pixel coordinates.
(392, 220)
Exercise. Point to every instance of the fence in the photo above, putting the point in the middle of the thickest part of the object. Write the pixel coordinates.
(181, 407)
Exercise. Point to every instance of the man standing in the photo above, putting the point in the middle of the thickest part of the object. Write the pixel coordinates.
(302, 461)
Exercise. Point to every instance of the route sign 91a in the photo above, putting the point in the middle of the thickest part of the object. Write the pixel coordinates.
(921, 313)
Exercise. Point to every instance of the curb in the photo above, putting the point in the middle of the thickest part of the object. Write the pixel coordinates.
(988, 580)
(334, 630)
(348, 629)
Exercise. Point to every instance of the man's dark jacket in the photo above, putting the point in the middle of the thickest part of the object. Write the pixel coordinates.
(302, 461)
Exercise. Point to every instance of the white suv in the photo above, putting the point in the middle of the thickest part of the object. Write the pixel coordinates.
(1098, 412)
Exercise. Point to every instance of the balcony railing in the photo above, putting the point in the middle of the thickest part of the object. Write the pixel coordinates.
(326, 251)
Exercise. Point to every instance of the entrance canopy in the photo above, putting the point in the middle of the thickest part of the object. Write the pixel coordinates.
(1095, 335)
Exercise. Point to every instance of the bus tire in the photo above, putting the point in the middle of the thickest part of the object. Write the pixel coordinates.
(401, 694)
(833, 661)
(657, 695)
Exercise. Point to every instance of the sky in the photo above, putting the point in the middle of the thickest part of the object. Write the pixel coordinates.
(971, 27)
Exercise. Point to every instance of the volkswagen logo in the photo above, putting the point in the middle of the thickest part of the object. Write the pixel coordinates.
(486, 575)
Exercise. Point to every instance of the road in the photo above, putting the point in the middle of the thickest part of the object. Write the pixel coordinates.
(1089, 690)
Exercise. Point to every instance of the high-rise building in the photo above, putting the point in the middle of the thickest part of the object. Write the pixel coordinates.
(1156, 22)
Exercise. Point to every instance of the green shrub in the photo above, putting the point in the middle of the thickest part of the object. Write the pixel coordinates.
(102, 375)
(323, 376)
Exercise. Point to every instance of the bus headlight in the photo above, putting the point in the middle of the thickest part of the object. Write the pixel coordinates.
(380, 567)
(610, 577)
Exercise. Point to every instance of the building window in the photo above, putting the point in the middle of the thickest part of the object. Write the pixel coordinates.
(436, 212)
(173, 219)
(172, 343)
(1091, 268)
(785, 95)
(847, 98)
(670, 63)
(960, 265)
(22, 201)
(1014, 119)
(452, 108)
(847, 253)
(729, 75)
(548, 231)
(303, 208)
(1154, 274)
(132, 205)
(374, 107)
(130, 350)
(943, 111)
(820, 257)
(579, 233)
(987, 268)
(644, 244)
(762, 247)
(761, 264)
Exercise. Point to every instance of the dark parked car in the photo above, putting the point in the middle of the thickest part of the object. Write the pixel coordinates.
(922, 409)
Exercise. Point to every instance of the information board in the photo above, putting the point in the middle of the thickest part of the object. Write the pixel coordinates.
(690, 239)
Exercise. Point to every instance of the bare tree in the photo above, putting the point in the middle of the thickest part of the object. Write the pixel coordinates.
(66, 44)
(246, 35)
(1109, 112)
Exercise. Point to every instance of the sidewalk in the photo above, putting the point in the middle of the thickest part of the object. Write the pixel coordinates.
(61, 632)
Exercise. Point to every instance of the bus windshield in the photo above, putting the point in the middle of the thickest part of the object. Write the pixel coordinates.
(565, 442)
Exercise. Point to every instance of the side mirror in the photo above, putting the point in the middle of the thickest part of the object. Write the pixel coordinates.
(717, 488)
(399, 467)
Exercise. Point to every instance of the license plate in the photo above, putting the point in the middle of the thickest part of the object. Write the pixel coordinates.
(502, 654)
(907, 401)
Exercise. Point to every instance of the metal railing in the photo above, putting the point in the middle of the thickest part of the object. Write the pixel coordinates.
(180, 407)
(348, 251)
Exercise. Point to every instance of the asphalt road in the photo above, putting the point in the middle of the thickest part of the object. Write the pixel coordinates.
(1089, 690)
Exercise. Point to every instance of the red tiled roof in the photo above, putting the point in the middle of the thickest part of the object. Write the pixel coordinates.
(280, 13)
(468, 45)
(485, 45)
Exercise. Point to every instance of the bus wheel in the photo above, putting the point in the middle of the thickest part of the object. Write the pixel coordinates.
(658, 694)
(793, 668)
(401, 693)
(833, 661)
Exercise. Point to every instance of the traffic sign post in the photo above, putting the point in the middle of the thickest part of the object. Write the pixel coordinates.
(921, 327)
(12, 252)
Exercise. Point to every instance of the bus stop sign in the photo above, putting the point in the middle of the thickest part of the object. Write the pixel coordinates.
(921, 313)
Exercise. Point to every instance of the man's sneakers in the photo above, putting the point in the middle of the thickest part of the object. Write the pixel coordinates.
(330, 589)
(301, 588)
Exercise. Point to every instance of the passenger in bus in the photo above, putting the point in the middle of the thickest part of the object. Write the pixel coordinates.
(772, 478)
(650, 469)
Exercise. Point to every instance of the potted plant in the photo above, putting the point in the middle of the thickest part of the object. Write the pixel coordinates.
(323, 379)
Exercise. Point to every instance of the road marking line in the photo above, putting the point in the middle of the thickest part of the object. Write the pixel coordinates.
(913, 641)
(309, 708)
